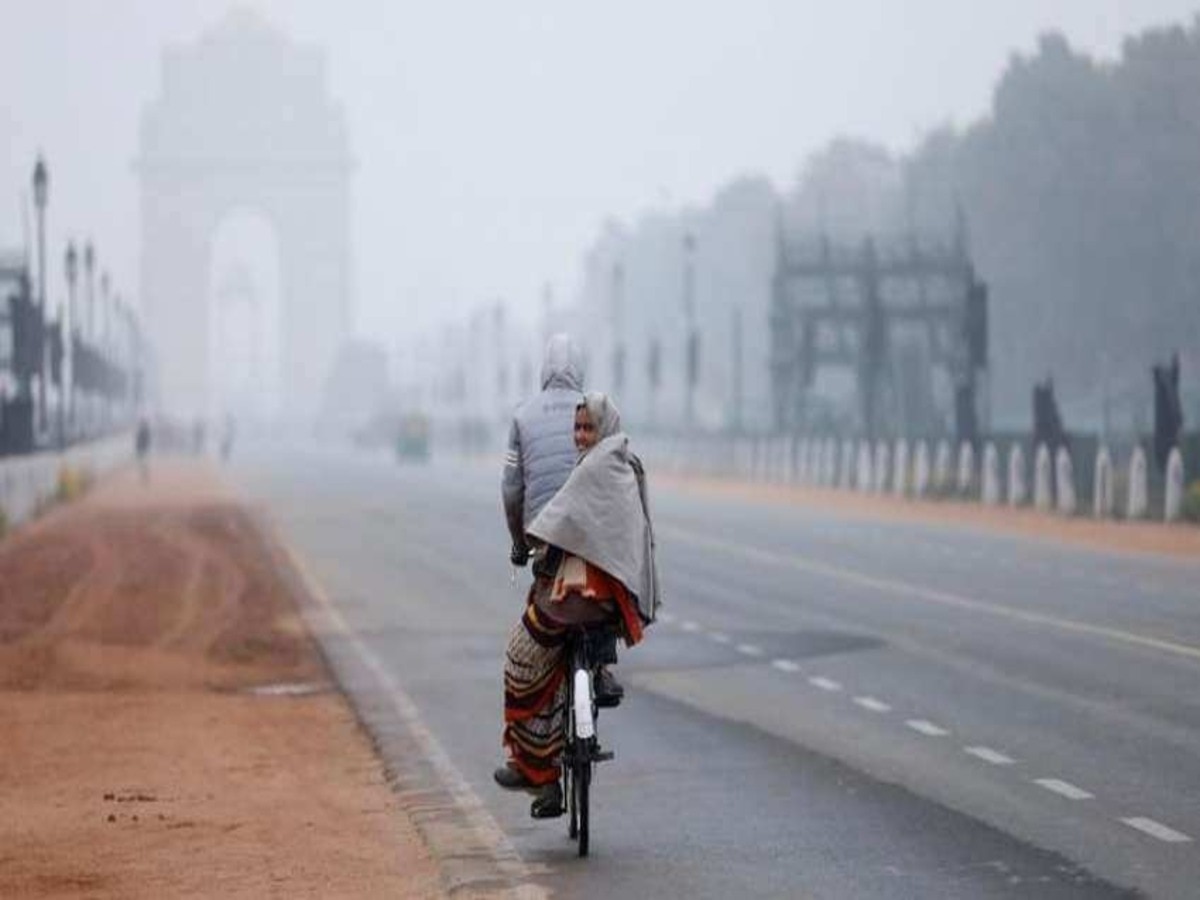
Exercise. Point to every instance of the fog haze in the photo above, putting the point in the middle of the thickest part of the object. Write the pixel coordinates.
(491, 142)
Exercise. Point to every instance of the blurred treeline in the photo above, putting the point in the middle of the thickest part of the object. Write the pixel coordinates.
(1080, 196)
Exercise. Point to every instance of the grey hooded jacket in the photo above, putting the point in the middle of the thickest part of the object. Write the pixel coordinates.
(541, 444)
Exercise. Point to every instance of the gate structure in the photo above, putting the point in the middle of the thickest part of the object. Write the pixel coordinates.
(852, 308)
(244, 124)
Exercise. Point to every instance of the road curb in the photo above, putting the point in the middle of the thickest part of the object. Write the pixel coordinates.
(474, 855)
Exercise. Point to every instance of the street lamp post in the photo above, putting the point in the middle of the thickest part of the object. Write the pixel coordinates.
(692, 352)
(72, 266)
(618, 362)
(89, 269)
(41, 191)
(101, 339)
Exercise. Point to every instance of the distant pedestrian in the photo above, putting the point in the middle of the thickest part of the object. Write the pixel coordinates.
(141, 444)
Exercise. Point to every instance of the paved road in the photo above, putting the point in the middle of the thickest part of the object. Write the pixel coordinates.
(830, 708)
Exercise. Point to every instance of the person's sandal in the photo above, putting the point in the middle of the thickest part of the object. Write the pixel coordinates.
(549, 803)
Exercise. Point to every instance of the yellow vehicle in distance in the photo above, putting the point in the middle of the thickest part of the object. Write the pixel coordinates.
(412, 438)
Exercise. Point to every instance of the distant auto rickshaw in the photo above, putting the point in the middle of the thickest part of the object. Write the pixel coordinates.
(412, 438)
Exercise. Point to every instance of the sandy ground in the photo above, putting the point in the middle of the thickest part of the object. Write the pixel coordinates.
(145, 750)
(1129, 537)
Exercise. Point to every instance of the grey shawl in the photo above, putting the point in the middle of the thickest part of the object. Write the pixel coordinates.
(602, 513)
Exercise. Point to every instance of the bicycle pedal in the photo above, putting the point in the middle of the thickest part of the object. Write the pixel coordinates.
(546, 812)
(603, 755)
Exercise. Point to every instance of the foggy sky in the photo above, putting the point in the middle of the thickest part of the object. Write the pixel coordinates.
(493, 139)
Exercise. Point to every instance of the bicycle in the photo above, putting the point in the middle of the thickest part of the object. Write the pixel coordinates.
(581, 748)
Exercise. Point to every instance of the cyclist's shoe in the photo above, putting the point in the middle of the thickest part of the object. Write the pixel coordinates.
(609, 692)
(512, 779)
(549, 802)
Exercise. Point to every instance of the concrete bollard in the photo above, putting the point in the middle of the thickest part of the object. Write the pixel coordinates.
(921, 470)
(1102, 485)
(1016, 475)
(846, 469)
(941, 467)
(883, 465)
(990, 476)
(1173, 508)
(965, 480)
(1065, 476)
(900, 469)
(829, 475)
(863, 468)
(1138, 500)
(1043, 482)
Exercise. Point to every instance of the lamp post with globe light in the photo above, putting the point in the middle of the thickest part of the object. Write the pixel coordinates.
(41, 194)
(71, 262)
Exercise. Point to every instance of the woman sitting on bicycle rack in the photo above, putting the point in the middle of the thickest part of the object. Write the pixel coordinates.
(595, 534)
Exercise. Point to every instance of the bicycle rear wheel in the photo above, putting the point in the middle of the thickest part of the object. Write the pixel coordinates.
(582, 782)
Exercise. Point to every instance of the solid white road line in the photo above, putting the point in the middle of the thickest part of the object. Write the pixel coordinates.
(987, 754)
(1065, 788)
(929, 595)
(825, 684)
(926, 728)
(785, 665)
(1158, 830)
(872, 704)
(749, 649)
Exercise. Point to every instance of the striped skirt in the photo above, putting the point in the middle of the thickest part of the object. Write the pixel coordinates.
(534, 696)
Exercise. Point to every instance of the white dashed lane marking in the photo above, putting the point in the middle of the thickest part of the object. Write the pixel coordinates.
(1157, 830)
(749, 649)
(1064, 788)
(690, 626)
(873, 704)
(926, 728)
(825, 684)
(785, 665)
(719, 637)
(987, 754)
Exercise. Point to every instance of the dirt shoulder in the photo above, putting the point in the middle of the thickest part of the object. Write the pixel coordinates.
(1180, 540)
(169, 727)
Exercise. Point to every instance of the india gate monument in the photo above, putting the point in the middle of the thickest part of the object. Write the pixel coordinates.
(244, 126)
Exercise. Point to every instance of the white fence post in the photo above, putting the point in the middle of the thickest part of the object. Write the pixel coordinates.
(1138, 500)
(1173, 508)
(1043, 482)
(863, 473)
(829, 464)
(941, 466)
(991, 475)
(1016, 475)
(883, 464)
(921, 470)
(1065, 473)
(1102, 485)
(900, 469)
(966, 468)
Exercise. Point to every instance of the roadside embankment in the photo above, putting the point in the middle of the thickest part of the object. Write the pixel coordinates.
(1181, 540)
(170, 729)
